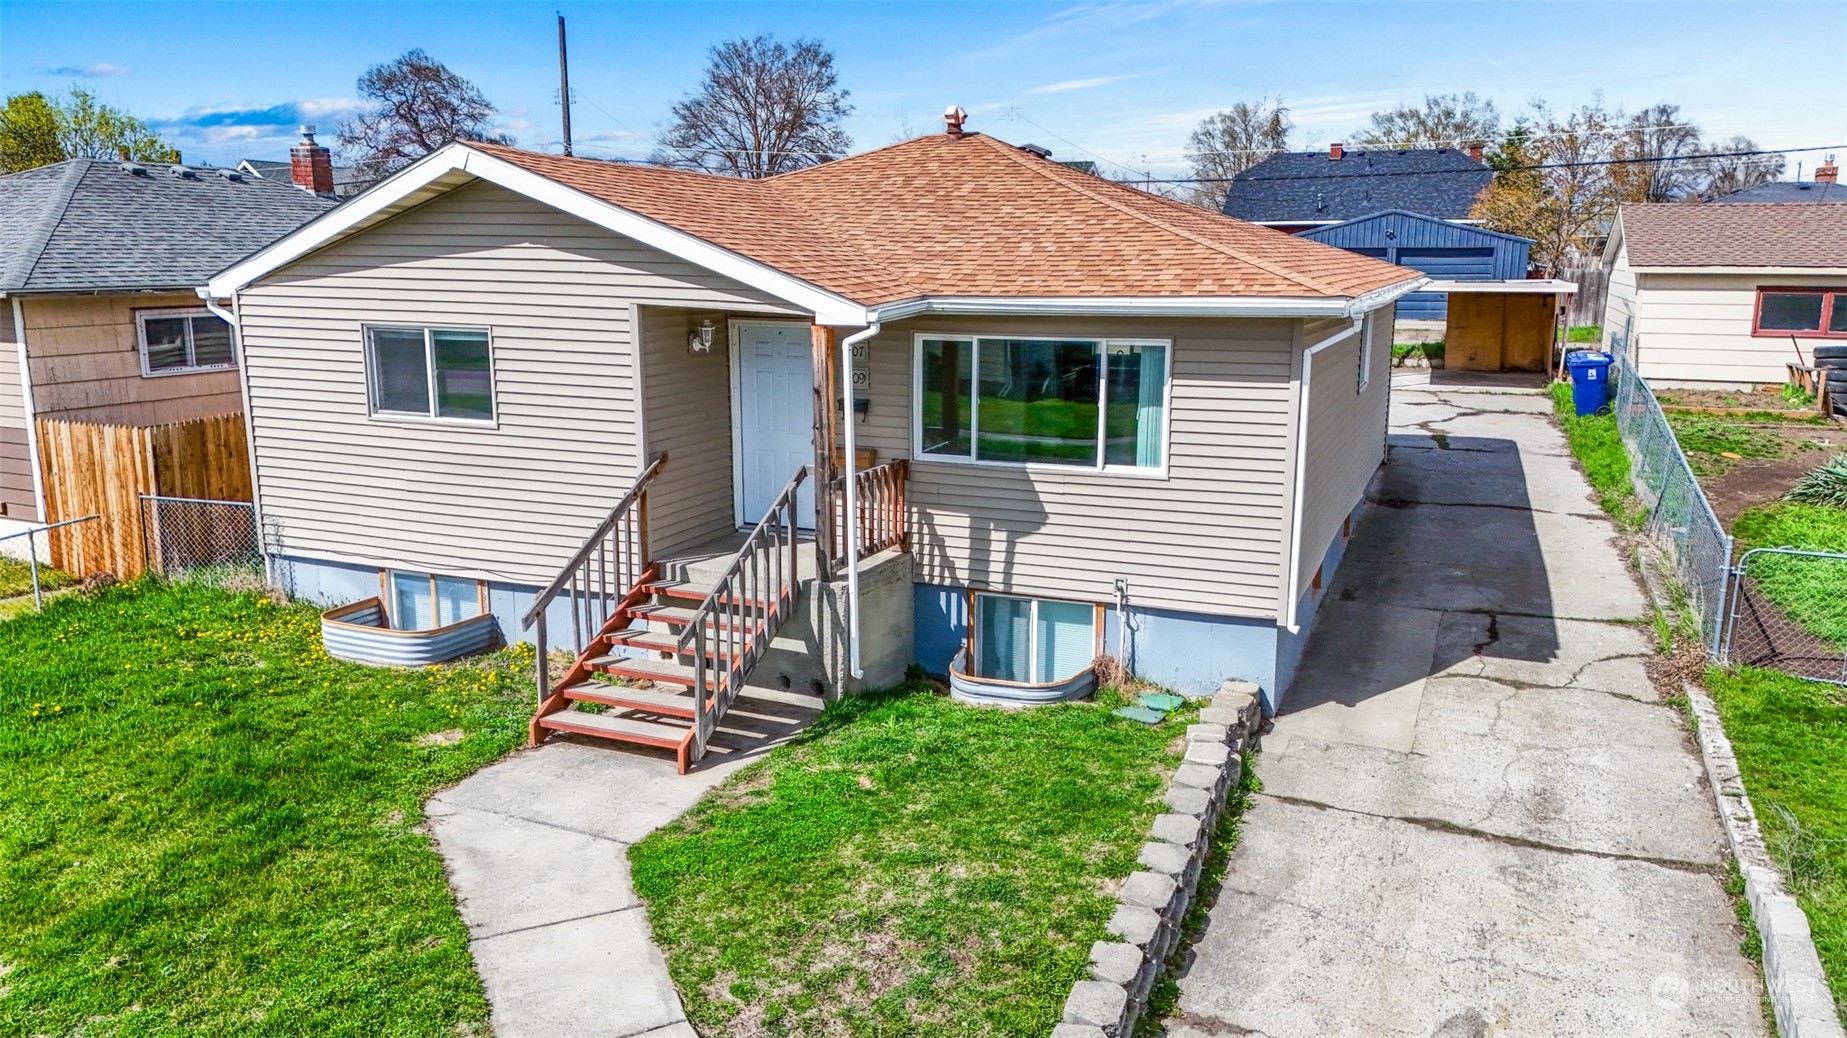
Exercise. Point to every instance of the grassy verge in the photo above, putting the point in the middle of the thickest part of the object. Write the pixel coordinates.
(1584, 333)
(1403, 351)
(910, 866)
(1600, 452)
(16, 578)
(1790, 736)
(209, 827)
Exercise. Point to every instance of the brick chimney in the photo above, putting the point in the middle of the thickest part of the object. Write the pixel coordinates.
(953, 118)
(311, 165)
(1336, 151)
(1827, 172)
(1475, 150)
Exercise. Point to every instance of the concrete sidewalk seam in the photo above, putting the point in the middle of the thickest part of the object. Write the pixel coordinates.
(554, 922)
(528, 820)
(1439, 825)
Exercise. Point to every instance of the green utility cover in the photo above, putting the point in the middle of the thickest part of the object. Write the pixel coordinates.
(1160, 701)
(1142, 714)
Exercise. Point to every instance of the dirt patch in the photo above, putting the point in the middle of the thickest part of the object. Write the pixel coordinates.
(1749, 482)
(1745, 399)
(446, 737)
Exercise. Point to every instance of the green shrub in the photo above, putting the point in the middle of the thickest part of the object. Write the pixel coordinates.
(1826, 485)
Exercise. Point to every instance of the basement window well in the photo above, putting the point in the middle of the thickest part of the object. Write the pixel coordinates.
(1028, 650)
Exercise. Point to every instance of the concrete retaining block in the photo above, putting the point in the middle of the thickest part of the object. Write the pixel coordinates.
(1181, 829)
(1188, 800)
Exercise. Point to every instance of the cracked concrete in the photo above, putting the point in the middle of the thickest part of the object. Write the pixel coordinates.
(1478, 817)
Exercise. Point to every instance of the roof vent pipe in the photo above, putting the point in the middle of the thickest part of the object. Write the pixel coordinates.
(1036, 149)
(953, 118)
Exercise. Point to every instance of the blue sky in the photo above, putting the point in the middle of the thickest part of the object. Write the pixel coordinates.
(1124, 82)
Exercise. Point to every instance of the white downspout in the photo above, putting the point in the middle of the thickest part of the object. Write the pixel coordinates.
(851, 519)
(31, 409)
(250, 427)
(1294, 577)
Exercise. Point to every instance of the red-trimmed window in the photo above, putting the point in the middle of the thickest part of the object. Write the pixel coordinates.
(1807, 312)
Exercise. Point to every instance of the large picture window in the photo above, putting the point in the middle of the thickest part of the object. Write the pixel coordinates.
(1809, 312)
(430, 373)
(174, 342)
(1088, 403)
(1033, 640)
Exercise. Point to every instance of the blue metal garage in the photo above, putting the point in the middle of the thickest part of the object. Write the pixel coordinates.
(1445, 251)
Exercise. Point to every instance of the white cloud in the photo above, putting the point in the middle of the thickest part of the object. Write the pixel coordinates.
(94, 70)
(1081, 84)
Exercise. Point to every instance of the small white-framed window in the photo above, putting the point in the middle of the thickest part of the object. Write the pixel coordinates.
(182, 340)
(1013, 400)
(1365, 351)
(425, 601)
(1033, 640)
(444, 373)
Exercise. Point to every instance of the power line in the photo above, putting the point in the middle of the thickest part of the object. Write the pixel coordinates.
(1509, 169)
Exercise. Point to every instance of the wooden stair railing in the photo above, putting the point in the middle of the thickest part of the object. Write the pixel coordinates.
(881, 517)
(604, 582)
(734, 625)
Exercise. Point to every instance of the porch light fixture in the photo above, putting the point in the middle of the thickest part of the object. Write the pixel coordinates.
(700, 341)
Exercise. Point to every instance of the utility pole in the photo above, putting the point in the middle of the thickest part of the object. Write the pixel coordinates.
(564, 86)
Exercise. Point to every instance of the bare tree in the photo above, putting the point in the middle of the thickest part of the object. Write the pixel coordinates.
(1231, 141)
(1653, 156)
(765, 108)
(1553, 183)
(1721, 173)
(417, 105)
(1443, 121)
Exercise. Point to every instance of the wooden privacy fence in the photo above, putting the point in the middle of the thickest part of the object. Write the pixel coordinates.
(103, 470)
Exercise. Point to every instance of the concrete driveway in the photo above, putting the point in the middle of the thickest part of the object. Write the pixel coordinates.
(1477, 816)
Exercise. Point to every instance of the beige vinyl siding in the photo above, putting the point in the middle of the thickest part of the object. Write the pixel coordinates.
(1346, 435)
(686, 407)
(16, 496)
(1697, 328)
(1205, 538)
(1621, 300)
(509, 501)
(85, 359)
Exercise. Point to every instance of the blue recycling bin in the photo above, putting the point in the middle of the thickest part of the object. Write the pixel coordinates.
(1590, 380)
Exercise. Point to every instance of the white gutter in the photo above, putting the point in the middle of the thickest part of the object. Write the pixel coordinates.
(1294, 577)
(851, 520)
(25, 397)
(1148, 306)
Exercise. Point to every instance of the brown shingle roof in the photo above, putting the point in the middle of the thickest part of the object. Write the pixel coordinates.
(971, 217)
(1671, 234)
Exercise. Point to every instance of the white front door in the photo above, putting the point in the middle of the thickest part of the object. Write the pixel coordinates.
(775, 407)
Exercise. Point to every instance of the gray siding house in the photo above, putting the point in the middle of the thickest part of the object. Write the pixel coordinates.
(1084, 419)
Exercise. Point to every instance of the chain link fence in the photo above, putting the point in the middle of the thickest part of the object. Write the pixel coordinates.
(197, 539)
(1680, 522)
(41, 561)
(1789, 613)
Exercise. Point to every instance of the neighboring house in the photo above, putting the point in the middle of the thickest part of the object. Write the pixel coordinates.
(1725, 295)
(1080, 397)
(99, 263)
(346, 181)
(1824, 189)
(1409, 207)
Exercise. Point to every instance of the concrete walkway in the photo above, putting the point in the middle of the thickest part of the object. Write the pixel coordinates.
(537, 851)
(1477, 816)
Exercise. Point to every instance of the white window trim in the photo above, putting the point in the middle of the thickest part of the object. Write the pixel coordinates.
(974, 424)
(141, 341)
(429, 417)
(1365, 352)
(388, 596)
(1032, 632)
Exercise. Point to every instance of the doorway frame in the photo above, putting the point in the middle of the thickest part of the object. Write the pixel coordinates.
(734, 340)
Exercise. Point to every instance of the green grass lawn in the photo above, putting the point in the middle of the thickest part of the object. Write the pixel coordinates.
(1401, 351)
(1706, 439)
(16, 578)
(909, 866)
(1584, 333)
(1599, 449)
(1791, 739)
(209, 827)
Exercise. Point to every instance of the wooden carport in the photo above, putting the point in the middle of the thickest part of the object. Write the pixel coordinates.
(1502, 325)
